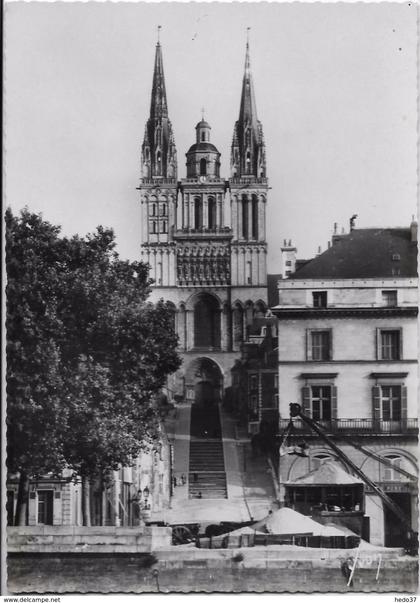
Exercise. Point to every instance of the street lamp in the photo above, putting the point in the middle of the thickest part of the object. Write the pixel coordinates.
(146, 493)
(135, 499)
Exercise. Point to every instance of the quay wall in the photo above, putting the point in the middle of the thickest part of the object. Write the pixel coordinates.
(178, 569)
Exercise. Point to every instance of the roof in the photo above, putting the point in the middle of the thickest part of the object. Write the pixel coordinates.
(365, 253)
(203, 124)
(328, 473)
(202, 147)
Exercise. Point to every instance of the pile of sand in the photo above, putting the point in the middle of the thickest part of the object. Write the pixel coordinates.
(288, 521)
(244, 530)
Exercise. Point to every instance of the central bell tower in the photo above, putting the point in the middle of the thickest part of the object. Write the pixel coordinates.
(204, 236)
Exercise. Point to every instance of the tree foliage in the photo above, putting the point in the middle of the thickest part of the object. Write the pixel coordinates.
(86, 352)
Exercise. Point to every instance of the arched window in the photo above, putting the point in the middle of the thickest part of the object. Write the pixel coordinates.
(259, 310)
(318, 459)
(163, 209)
(206, 323)
(212, 213)
(244, 217)
(203, 137)
(254, 217)
(203, 167)
(390, 472)
(153, 209)
(248, 273)
(248, 162)
(238, 327)
(197, 213)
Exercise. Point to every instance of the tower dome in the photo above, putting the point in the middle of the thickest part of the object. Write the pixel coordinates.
(203, 158)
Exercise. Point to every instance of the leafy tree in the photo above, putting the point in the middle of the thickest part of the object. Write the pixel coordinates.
(86, 352)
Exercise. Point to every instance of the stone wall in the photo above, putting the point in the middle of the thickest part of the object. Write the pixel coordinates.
(193, 570)
(75, 539)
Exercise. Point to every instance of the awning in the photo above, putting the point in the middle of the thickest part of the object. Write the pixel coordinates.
(329, 473)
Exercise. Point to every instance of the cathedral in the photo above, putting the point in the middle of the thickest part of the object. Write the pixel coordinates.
(204, 237)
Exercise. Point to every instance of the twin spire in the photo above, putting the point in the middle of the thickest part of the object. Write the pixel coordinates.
(248, 148)
(158, 150)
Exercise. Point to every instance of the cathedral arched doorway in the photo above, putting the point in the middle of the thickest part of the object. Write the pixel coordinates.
(204, 383)
(206, 322)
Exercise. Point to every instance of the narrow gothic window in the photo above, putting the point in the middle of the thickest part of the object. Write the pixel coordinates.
(248, 163)
(248, 273)
(254, 217)
(212, 213)
(203, 167)
(244, 218)
(238, 327)
(197, 213)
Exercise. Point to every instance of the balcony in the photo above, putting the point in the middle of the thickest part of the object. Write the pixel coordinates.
(203, 233)
(159, 180)
(250, 180)
(358, 427)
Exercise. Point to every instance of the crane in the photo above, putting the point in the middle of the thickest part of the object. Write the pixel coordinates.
(296, 411)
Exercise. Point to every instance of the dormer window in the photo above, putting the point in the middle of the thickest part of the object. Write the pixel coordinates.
(319, 299)
(389, 298)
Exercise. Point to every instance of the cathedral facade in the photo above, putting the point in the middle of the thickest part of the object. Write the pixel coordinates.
(204, 237)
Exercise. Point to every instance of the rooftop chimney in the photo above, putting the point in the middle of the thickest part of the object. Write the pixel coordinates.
(413, 231)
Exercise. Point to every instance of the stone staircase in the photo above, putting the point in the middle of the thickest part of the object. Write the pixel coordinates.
(207, 477)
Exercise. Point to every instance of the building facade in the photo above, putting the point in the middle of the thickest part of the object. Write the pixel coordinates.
(130, 496)
(347, 332)
(204, 237)
(254, 392)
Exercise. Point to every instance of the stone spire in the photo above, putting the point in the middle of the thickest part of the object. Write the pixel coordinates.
(248, 148)
(158, 150)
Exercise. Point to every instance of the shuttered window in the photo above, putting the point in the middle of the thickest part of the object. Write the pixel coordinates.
(319, 345)
(320, 402)
(389, 402)
(389, 344)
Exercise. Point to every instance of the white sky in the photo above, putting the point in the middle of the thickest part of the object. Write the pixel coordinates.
(335, 89)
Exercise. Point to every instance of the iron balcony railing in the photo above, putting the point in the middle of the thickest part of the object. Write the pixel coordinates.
(251, 181)
(357, 426)
(224, 232)
(159, 180)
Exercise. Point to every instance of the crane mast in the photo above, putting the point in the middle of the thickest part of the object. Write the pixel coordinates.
(296, 411)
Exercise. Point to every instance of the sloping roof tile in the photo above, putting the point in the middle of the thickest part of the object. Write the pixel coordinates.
(365, 253)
